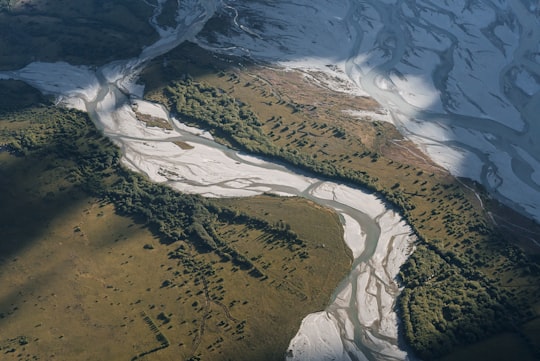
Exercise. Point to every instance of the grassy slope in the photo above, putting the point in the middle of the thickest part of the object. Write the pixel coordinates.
(466, 281)
(75, 273)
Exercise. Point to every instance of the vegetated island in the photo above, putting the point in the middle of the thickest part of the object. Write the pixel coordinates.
(474, 277)
(93, 254)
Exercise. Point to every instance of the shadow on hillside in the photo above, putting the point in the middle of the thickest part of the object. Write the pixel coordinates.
(80, 32)
(31, 200)
(16, 96)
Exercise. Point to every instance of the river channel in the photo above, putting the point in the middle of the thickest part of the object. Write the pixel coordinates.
(360, 322)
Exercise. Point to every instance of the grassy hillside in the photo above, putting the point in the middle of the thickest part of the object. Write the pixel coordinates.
(92, 254)
(467, 280)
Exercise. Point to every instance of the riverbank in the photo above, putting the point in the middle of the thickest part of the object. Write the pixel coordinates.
(362, 313)
(141, 281)
(212, 170)
(207, 168)
(283, 114)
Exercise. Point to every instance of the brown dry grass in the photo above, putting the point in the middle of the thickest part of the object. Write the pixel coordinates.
(78, 280)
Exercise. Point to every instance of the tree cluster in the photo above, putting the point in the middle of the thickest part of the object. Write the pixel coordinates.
(447, 301)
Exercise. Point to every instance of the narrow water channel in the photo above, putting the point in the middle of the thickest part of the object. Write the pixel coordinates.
(360, 322)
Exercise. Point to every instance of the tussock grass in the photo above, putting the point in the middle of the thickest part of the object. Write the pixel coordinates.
(76, 274)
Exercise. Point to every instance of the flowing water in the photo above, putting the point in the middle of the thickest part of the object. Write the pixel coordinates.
(420, 59)
(459, 78)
